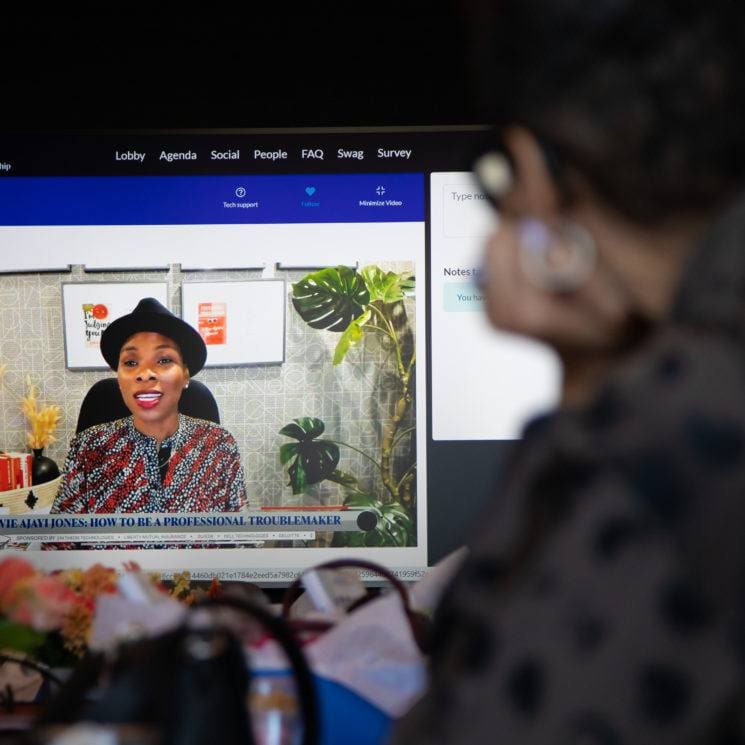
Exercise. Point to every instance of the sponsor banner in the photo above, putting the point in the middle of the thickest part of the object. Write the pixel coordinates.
(169, 538)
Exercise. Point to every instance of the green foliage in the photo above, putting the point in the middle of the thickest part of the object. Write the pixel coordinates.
(344, 479)
(330, 298)
(353, 304)
(19, 637)
(313, 460)
(386, 287)
(395, 526)
(352, 336)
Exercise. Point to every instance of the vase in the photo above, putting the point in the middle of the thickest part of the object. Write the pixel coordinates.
(43, 469)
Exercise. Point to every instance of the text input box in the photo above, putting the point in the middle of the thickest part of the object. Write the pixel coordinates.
(466, 212)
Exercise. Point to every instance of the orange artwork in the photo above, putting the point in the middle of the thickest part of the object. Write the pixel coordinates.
(212, 319)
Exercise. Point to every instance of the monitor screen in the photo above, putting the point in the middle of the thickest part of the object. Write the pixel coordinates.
(353, 401)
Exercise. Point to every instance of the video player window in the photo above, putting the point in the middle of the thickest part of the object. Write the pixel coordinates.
(324, 272)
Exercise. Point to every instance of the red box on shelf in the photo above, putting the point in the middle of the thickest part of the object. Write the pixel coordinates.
(15, 471)
(6, 473)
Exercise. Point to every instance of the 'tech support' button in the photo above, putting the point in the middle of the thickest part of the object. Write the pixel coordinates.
(462, 297)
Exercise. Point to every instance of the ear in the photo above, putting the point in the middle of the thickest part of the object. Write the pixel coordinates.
(534, 191)
(188, 377)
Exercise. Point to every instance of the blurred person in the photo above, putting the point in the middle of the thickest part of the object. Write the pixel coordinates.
(602, 601)
(157, 459)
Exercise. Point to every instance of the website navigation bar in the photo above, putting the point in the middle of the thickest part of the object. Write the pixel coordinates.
(27, 154)
(303, 154)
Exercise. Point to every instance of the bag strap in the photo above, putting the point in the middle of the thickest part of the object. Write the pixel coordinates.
(419, 623)
(7, 698)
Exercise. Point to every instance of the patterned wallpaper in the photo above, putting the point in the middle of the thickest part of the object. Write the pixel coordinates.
(353, 399)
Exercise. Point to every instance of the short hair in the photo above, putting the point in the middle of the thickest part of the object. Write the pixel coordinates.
(644, 98)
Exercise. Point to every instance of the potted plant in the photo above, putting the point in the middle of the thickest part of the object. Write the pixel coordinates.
(355, 305)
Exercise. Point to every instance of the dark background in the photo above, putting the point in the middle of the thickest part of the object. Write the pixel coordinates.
(227, 66)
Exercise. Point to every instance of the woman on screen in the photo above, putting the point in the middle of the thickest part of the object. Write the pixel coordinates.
(157, 459)
(602, 601)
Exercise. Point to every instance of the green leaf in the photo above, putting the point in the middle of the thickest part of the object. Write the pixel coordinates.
(374, 538)
(408, 285)
(298, 477)
(312, 460)
(18, 637)
(287, 451)
(388, 287)
(343, 478)
(330, 298)
(398, 523)
(304, 428)
(351, 336)
(367, 501)
(395, 526)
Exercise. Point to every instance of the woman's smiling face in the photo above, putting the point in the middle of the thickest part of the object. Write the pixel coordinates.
(152, 376)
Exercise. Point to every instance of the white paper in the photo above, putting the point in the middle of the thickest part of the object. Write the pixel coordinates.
(373, 653)
(138, 611)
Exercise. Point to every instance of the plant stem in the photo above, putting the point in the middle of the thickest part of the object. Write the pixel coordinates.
(390, 437)
(356, 489)
(392, 333)
(357, 450)
(401, 434)
(373, 327)
(408, 471)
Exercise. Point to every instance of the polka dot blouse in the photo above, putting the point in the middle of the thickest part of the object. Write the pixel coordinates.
(603, 601)
(113, 467)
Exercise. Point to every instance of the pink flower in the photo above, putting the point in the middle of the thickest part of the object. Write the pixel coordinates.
(12, 571)
(36, 600)
(42, 602)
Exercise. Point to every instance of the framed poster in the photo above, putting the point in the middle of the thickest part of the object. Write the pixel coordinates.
(241, 322)
(89, 307)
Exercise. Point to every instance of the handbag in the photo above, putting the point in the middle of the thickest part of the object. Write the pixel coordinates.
(190, 685)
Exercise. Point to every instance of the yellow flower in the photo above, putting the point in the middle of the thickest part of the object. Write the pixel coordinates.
(43, 420)
(73, 578)
(181, 584)
(76, 628)
(98, 580)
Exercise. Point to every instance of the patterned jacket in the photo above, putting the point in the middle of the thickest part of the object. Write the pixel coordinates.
(604, 597)
(113, 467)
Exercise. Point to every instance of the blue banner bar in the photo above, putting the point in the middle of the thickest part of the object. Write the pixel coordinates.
(211, 200)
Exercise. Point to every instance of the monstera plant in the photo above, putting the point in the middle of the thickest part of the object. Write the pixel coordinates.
(354, 304)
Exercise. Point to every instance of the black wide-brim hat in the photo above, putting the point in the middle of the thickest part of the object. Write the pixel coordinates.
(150, 315)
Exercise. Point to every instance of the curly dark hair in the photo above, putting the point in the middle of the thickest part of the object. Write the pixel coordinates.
(645, 98)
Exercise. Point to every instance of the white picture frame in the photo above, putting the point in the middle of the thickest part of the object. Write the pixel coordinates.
(83, 308)
(242, 321)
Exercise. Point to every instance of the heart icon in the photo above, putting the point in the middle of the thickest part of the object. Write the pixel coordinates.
(310, 190)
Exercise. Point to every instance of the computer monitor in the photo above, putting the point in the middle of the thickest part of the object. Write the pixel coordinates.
(332, 275)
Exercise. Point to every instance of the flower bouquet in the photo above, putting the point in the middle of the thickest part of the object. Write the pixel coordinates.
(47, 617)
